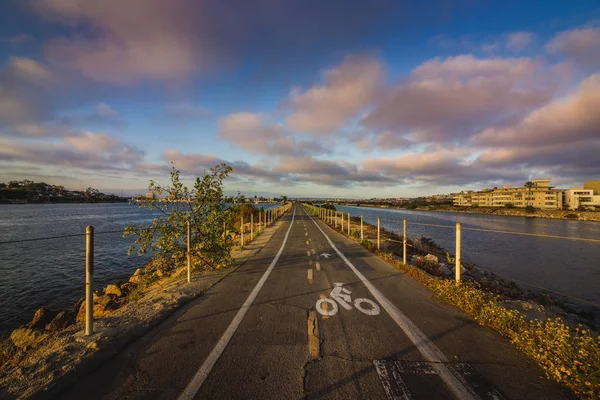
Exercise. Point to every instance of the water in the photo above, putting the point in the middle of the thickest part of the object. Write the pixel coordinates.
(566, 266)
(52, 272)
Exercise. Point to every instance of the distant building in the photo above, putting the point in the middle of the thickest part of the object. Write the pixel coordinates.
(541, 195)
(588, 196)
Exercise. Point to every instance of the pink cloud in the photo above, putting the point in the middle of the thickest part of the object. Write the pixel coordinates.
(253, 132)
(345, 91)
(451, 99)
(564, 120)
(581, 46)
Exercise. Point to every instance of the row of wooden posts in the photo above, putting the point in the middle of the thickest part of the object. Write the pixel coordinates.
(332, 216)
(265, 218)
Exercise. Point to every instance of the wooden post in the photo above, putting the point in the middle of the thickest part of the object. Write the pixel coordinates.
(342, 225)
(348, 224)
(457, 264)
(251, 226)
(361, 228)
(189, 252)
(336, 214)
(404, 244)
(378, 224)
(89, 277)
(242, 231)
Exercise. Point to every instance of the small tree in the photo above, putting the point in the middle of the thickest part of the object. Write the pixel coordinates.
(202, 206)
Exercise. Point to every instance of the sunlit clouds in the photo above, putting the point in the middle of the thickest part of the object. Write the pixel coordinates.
(380, 99)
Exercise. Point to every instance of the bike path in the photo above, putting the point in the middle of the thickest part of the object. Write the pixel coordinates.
(487, 362)
(160, 364)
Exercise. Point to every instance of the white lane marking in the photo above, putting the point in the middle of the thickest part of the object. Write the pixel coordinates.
(194, 385)
(451, 378)
(325, 255)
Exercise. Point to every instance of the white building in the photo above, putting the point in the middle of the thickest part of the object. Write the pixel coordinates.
(577, 197)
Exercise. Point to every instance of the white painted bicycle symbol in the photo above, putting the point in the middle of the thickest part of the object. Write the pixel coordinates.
(341, 295)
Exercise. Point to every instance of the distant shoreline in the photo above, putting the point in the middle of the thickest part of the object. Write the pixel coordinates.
(4, 201)
(569, 215)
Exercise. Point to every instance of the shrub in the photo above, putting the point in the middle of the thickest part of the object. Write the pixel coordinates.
(509, 205)
(529, 209)
(570, 356)
(369, 245)
(202, 206)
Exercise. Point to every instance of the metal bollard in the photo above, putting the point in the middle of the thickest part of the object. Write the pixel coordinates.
(404, 244)
(89, 277)
(457, 264)
(189, 251)
(378, 224)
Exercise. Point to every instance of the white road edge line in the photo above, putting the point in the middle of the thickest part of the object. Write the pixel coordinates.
(455, 382)
(195, 384)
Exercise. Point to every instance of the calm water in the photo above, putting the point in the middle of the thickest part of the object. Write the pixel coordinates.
(566, 266)
(52, 272)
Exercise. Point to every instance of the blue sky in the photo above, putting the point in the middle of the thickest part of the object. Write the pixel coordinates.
(304, 98)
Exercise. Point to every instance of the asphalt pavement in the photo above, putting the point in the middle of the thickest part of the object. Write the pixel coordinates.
(314, 315)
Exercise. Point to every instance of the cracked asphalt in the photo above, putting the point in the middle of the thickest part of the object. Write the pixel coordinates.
(268, 355)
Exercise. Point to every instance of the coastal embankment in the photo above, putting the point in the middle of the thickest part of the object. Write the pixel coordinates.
(51, 350)
(500, 211)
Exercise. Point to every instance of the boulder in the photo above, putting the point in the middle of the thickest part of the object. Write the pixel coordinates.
(102, 306)
(41, 318)
(114, 290)
(443, 269)
(431, 259)
(25, 338)
(414, 259)
(62, 320)
(136, 277)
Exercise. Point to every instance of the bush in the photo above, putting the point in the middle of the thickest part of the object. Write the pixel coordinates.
(369, 245)
(509, 205)
(202, 206)
(529, 209)
(355, 233)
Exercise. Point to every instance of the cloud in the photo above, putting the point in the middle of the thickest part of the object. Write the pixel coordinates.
(346, 90)
(519, 41)
(253, 132)
(452, 99)
(90, 142)
(74, 152)
(581, 46)
(25, 86)
(141, 40)
(564, 120)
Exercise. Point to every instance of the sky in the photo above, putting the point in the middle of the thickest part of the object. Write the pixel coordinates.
(337, 98)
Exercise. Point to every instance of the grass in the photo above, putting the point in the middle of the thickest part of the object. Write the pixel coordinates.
(568, 355)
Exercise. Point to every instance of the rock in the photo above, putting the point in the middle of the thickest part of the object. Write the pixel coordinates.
(62, 320)
(414, 259)
(136, 277)
(77, 305)
(430, 258)
(24, 338)
(102, 306)
(114, 290)
(41, 318)
(443, 269)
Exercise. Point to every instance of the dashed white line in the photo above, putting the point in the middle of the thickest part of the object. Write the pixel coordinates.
(196, 383)
(455, 382)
